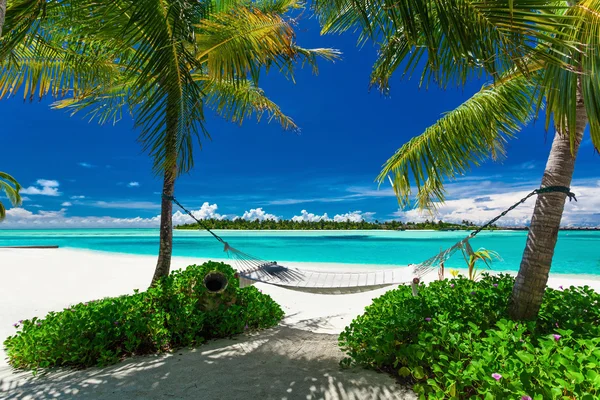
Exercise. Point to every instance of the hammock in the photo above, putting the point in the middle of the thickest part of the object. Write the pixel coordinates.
(252, 269)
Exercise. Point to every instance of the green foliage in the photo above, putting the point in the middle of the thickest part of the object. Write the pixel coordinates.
(179, 311)
(11, 188)
(535, 53)
(483, 255)
(164, 62)
(328, 225)
(455, 341)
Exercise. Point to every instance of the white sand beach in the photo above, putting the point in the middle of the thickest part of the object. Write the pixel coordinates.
(299, 359)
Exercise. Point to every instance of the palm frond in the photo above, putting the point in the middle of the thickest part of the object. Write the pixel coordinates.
(465, 137)
(154, 58)
(11, 188)
(43, 67)
(450, 40)
(22, 16)
(561, 86)
(236, 44)
(237, 101)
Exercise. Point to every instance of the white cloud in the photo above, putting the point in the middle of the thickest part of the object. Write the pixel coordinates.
(207, 211)
(301, 201)
(527, 165)
(584, 212)
(310, 217)
(44, 187)
(77, 197)
(22, 218)
(356, 193)
(139, 205)
(354, 216)
(67, 204)
(85, 165)
(133, 184)
(258, 214)
(25, 198)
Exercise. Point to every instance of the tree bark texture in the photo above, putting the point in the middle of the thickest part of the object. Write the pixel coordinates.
(543, 232)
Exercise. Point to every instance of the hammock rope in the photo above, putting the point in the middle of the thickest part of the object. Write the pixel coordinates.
(256, 269)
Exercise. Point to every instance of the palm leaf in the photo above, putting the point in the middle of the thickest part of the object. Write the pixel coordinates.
(473, 132)
(236, 101)
(235, 44)
(560, 85)
(11, 188)
(450, 40)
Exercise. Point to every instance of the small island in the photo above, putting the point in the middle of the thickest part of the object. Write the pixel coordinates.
(286, 224)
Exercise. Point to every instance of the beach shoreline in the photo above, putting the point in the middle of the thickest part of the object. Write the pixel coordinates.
(43, 280)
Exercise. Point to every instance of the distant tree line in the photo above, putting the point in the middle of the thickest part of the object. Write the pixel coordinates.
(286, 224)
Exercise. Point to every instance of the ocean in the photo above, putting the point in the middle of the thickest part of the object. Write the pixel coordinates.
(577, 252)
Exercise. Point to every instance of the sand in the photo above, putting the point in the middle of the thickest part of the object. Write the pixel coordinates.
(297, 360)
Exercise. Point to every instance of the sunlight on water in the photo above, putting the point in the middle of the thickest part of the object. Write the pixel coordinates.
(576, 252)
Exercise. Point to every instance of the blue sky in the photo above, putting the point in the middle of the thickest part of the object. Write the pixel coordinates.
(78, 171)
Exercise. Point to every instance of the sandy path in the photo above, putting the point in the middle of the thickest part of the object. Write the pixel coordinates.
(282, 363)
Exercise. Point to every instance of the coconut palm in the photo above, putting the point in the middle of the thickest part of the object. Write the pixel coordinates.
(11, 188)
(163, 61)
(535, 51)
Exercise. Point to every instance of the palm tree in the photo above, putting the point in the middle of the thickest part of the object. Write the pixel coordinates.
(163, 61)
(535, 51)
(11, 188)
(2, 13)
(483, 255)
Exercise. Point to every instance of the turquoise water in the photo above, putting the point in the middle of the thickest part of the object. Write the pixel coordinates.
(576, 252)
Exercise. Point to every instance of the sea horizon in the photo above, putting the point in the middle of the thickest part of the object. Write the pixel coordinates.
(360, 247)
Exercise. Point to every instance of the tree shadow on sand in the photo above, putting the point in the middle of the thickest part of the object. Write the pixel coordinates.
(281, 363)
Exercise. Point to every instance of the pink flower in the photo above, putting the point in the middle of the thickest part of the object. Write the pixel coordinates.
(495, 285)
(246, 327)
(560, 287)
(556, 324)
(452, 285)
(16, 324)
(556, 337)
(472, 292)
(526, 398)
(496, 376)
(427, 319)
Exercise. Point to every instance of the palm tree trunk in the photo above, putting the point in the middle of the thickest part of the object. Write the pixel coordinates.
(2, 14)
(543, 232)
(163, 265)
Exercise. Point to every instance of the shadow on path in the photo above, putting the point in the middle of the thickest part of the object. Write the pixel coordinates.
(281, 363)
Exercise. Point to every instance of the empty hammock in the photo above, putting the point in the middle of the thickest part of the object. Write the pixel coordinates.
(252, 269)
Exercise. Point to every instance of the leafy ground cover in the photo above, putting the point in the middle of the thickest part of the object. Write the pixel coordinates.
(179, 311)
(456, 341)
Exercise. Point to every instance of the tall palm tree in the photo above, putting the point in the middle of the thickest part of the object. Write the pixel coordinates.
(11, 188)
(164, 61)
(535, 51)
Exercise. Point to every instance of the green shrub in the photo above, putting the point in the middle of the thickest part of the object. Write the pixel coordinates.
(179, 311)
(455, 341)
